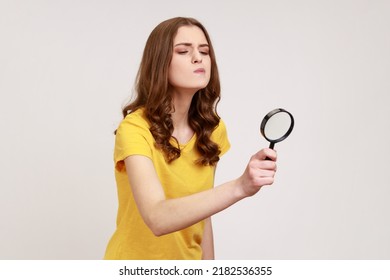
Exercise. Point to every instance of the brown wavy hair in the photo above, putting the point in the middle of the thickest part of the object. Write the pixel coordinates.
(152, 94)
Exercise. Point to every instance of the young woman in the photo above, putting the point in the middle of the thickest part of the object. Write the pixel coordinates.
(167, 148)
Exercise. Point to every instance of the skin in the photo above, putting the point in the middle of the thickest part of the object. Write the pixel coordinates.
(163, 215)
(189, 71)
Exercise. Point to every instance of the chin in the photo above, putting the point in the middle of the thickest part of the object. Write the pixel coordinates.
(195, 87)
(202, 85)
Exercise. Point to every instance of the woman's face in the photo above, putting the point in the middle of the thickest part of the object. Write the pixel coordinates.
(191, 64)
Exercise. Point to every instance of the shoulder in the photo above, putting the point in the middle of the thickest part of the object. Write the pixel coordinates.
(133, 130)
(135, 121)
(220, 129)
(137, 117)
(220, 136)
(132, 137)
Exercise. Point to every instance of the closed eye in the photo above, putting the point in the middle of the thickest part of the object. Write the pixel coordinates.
(204, 50)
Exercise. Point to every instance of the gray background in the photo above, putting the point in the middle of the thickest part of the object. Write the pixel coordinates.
(67, 67)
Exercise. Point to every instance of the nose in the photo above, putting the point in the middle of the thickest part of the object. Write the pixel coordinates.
(196, 57)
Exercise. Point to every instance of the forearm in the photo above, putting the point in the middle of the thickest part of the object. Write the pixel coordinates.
(170, 215)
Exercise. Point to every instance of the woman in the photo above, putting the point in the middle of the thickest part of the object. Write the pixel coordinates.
(167, 148)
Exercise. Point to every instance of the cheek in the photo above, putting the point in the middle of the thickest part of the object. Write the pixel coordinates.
(175, 76)
(207, 63)
(208, 69)
(175, 68)
(172, 70)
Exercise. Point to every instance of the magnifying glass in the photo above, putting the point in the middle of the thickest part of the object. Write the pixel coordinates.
(277, 126)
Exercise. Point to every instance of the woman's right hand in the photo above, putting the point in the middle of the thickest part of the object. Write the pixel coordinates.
(259, 172)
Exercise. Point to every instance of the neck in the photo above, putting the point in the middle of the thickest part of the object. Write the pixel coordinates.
(182, 103)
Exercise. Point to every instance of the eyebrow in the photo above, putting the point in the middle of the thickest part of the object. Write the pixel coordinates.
(190, 45)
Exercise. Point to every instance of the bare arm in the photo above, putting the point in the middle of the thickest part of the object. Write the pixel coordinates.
(168, 215)
(208, 241)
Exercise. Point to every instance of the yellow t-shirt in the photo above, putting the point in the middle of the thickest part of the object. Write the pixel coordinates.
(132, 238)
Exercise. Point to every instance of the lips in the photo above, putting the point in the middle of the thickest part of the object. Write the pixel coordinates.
(200, 71)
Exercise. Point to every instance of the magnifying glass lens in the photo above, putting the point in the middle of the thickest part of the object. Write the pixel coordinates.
(277, 126)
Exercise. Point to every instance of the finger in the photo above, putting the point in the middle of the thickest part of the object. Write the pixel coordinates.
(266, 173)
(270, 154)
(266, 154)
(267, 164)
(264, 181)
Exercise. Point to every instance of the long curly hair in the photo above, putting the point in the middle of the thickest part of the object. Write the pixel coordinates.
(152, 94)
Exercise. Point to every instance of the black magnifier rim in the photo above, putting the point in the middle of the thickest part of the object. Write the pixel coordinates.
(268, 116)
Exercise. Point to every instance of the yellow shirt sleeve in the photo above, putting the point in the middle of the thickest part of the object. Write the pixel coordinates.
(220, 137)
(132, 138)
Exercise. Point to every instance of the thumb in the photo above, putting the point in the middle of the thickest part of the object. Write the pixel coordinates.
(266, 154)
